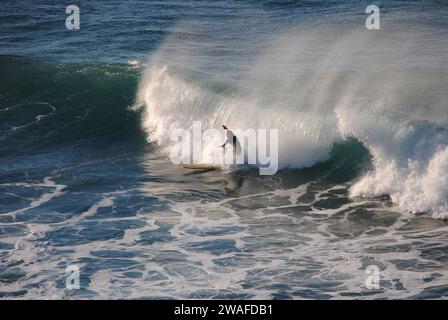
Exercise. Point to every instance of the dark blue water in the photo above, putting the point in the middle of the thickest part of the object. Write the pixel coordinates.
(84, 182)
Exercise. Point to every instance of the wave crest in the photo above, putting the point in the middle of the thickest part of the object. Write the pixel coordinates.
(319, 87)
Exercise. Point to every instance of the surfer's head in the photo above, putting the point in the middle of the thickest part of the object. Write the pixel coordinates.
(224, 127)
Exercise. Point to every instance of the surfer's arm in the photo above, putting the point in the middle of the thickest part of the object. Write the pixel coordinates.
(229, 140)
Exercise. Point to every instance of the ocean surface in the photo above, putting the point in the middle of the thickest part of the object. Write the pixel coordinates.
(86, 178)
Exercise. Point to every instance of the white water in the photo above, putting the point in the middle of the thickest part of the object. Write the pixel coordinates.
(320, 86)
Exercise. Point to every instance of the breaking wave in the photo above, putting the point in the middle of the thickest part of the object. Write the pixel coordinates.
(319, 87)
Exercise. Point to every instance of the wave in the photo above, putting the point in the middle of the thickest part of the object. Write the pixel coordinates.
(319, 87)
(46, 104)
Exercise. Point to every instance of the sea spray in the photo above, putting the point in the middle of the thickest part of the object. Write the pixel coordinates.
(319, 87)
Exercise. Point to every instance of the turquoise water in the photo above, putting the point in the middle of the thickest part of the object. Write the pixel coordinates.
(85, 178)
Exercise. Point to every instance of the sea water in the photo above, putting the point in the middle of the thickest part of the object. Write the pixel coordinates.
(86, 179)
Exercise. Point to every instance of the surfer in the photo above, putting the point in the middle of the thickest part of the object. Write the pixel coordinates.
(230, 139)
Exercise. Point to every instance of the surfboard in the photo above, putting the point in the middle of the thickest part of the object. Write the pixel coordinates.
(202, 166)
